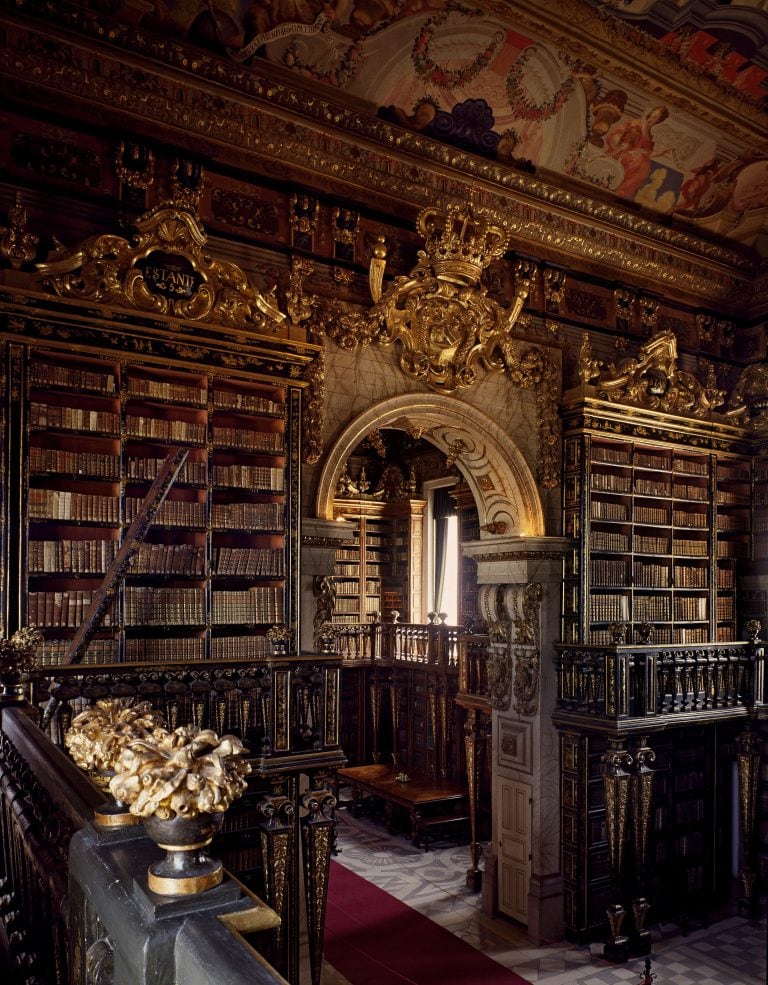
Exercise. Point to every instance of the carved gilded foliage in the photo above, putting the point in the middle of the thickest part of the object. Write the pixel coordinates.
(652, 379)
(166, 270)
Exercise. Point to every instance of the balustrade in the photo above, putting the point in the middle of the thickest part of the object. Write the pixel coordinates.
(620, 682)
(435, 644)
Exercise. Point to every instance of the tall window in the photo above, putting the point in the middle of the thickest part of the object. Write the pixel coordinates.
(442, 552)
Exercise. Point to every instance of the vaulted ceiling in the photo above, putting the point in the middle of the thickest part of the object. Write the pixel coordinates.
(660, 103)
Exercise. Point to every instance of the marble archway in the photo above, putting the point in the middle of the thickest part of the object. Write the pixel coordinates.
(502, 484)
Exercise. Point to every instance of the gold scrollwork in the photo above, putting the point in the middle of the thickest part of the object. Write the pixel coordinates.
(652, 379)
(167, 270)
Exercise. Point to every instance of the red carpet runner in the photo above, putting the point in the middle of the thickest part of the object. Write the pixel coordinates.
(371, 938)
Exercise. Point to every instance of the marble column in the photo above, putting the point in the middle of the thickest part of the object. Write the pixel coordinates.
(528, 572)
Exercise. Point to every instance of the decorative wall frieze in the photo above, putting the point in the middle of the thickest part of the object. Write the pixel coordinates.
(539, 214)
(749, 401)
(134, 165)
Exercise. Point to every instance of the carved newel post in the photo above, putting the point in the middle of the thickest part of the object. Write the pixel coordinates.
(748, 764)
(477, 730)
(616, 781)
(181, 783)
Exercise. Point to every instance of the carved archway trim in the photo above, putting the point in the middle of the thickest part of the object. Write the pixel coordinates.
(501, 482)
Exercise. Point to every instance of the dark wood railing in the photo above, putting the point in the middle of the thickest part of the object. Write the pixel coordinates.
(286, 710)
(53, 924)
(621, 682)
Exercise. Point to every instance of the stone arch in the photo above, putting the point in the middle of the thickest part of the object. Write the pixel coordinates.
(502, 484)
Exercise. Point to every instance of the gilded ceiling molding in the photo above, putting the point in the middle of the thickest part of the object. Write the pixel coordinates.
(570, 222)
(651, 380)
(166, 270)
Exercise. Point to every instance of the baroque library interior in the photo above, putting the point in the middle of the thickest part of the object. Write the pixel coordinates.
(384, 416)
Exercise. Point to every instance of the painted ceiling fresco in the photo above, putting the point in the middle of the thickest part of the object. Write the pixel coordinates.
(464, 73)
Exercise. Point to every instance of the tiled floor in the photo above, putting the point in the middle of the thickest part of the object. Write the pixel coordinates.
(731, 952)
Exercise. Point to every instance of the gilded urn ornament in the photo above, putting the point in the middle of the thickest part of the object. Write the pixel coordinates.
(96, 739)
(17, 657)
(181, 783)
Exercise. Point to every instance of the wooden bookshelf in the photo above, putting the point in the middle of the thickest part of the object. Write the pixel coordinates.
(380, 571)
(660, 530)
(210, 577)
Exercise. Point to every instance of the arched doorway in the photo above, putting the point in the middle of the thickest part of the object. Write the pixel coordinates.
(514, 551)
(502, 484)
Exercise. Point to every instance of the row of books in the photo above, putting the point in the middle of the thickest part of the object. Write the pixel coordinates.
(650, 575)
(193, 471)
(725, 609)
(164, 606)
(250, 477)
(46, 374)
(62, 609)
(172, 513)
(169, 559)
(691, 609)
(154, 650)
(262, 604)
(73, 419)
(57, 504)
(142, 386)
(248, 516)
(602, 510)
(611, 572)
(186, 432)
(733, 522)
(79, 557)
(253, 403)
(248, 440)
(42, 460)
(684, 518)
(249, 561)
(54, 652)
(650, 608)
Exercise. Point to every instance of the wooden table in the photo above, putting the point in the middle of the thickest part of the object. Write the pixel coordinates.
(422, 797)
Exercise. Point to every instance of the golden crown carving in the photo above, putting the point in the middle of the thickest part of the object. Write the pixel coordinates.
(440, 315)
(460, 242)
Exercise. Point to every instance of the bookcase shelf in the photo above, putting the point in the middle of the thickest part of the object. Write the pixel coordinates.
(209, 578)
(381, 571)
(664, 525)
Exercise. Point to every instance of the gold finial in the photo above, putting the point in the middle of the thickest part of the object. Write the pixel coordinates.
(16, 244)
